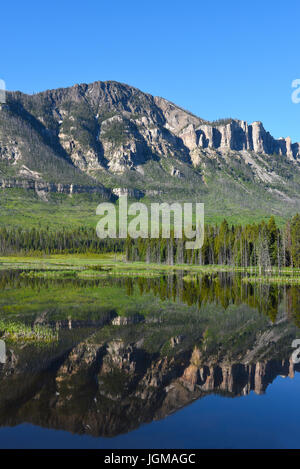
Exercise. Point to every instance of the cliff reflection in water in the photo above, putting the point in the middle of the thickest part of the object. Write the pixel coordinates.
(109, 374)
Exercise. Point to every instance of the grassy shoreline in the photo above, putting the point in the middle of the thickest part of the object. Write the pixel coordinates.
(102, 265)
(284, 280)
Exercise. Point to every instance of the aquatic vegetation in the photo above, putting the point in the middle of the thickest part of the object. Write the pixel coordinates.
(17, 331)
(281, 280)
(89, 273)
(48, 274)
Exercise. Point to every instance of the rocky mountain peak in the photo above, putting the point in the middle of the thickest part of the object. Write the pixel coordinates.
(113, 134)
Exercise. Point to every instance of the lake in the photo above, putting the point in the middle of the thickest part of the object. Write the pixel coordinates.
(181, 360)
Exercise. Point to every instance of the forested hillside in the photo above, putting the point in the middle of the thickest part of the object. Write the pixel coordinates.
(107, 137)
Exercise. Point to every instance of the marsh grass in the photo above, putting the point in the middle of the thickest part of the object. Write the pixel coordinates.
(91, 267)
(280, 280)
(50, 274)
(17, 331)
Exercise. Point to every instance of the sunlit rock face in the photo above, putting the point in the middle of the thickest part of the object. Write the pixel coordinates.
(109, 138)
(237, 136)
(110, 126)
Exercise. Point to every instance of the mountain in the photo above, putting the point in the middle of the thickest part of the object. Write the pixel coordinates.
(107, 138)
(105, 381)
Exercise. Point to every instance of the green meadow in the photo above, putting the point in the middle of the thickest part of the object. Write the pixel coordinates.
(23, 208)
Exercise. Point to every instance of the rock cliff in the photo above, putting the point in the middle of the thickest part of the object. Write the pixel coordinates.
(113, 135)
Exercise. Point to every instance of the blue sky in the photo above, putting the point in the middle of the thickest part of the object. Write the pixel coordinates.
(216, 59)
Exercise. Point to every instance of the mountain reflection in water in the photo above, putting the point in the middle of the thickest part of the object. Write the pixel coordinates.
(114, 368)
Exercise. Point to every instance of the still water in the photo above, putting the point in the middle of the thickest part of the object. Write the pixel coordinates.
(177, 361)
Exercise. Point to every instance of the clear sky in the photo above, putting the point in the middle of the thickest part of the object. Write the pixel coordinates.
(215, 58)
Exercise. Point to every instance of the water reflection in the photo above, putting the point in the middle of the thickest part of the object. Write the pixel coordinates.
(221, 288)
(110, 373)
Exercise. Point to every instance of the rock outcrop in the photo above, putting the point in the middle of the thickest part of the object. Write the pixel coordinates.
(238, 136)
(112, 126)
(41, 187)
(80, 138)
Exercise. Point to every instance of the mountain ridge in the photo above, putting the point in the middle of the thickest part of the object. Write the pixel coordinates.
(114, 137)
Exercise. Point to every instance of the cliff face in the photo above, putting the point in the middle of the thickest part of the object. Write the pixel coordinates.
(109, 125)
(238, 136)
(110, 134)
(42, 187)
(101, 125)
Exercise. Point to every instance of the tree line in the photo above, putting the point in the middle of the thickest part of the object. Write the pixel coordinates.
(262, 245)
(72, 241)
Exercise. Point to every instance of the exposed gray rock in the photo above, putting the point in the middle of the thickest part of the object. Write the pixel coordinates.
(77, 136)
(39, 187)
(238, 135)
(134, 193)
